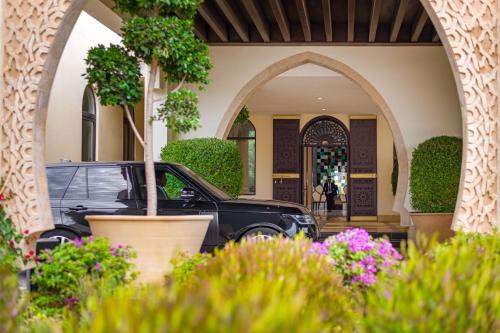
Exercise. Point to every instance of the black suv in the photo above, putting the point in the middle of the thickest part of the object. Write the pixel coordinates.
(98, 188)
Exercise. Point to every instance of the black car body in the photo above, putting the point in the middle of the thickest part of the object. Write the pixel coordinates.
(118, 188)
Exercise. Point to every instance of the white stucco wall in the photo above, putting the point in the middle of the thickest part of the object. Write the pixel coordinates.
(416, 83)
(64, 119)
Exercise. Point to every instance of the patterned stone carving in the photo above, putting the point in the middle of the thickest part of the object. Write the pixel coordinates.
(325, 132)
(286, 189)
(29, 28)
(471, 40)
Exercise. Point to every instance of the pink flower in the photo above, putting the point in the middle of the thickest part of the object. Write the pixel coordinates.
(26, 232)
(97, 266)
(2, 198)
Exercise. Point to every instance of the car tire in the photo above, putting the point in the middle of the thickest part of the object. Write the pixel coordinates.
(63, 235)
(261, 233)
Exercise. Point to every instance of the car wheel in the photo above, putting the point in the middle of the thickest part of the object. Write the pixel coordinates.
(62, 235)
(261, 234)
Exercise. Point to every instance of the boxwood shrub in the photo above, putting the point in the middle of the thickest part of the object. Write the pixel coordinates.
(216, 160)
(435, 174)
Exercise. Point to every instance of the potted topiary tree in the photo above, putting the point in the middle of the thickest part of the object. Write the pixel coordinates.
(158, 34)
(434, 181)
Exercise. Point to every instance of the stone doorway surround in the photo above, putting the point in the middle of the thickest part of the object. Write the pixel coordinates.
(34, 33)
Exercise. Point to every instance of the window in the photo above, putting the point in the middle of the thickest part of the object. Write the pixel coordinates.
(58, 179)
(88, 125)
(168, 185)
(244, 135)
(103, 183)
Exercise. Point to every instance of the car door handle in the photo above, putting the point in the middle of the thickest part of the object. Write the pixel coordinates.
(78, 208)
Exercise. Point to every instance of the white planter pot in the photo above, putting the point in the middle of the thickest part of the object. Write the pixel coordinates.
(155, 239)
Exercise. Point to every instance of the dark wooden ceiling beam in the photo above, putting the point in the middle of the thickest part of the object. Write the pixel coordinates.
(304, 19)
(199, 28)
(214, 21)
(374, 19)
(238, 24)
(398, 20)
(419, 26)
(258, 18)
(327, 19)
(281, 18)
(351, 18)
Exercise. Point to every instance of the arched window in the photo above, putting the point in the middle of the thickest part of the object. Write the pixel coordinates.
(88, 125)
(244, 135)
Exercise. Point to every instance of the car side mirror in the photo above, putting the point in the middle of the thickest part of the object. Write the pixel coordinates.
(189, 195)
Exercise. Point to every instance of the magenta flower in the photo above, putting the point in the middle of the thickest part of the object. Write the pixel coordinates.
(97, 266)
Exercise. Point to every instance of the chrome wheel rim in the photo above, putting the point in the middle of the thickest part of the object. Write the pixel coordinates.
(261, 237)
(62, 239)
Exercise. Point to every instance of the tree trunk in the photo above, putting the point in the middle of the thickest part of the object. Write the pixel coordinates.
(148, 141)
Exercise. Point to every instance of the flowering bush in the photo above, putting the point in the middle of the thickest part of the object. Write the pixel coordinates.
(185, 266)
(11, 239)
(359, 257)
(279, 285)
(62, 272)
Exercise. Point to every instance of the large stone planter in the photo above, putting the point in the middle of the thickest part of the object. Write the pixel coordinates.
(429, 224)
(155, 239)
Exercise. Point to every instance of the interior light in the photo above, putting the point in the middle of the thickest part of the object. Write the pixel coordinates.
(323, 109)
(320, 98)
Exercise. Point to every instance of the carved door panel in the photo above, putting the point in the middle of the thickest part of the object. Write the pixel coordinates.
(286, 159)
(363, 177)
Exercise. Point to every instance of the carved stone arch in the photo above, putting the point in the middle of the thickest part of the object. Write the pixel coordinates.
(300, 59)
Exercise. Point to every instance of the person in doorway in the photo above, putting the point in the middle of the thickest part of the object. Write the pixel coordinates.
(331, 191)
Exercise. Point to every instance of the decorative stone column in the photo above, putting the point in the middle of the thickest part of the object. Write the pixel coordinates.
(34, 34)
(468, 30)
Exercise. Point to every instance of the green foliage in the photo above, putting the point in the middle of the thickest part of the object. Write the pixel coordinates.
(218, 161)
(159, 30)
(11, 239)
(435, 174)
(274, 286)
(243, 116)
(185, 266)
(180, 111)
(62, 273)
(172, 42)
(395, 176)
(452, 288)
(115, 73)
(182, 8)
(10, 304)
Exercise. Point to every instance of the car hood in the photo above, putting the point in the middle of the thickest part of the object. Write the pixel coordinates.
(264, 206)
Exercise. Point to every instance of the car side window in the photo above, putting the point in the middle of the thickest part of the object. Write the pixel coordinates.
(100, 183)
(168, 185)
(58, 179)
(78, 187)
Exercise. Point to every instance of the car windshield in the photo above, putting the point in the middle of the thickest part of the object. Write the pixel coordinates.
(221, 195)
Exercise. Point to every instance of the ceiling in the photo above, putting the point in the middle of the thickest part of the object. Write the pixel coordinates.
(311, 89)
(315, 21)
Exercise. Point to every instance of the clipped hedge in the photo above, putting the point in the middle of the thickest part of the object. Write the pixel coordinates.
(216, 160)
(451, 288)
(435, 174)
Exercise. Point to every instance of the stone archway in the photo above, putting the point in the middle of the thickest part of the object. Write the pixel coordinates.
(35, 32)
(314, 58)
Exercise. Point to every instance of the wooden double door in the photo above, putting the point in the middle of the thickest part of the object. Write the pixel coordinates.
(362, 161)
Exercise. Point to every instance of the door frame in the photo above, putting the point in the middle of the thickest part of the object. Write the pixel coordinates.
(303, 131)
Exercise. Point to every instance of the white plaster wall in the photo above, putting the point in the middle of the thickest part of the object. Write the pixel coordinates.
(416, 83)
(64, 119)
